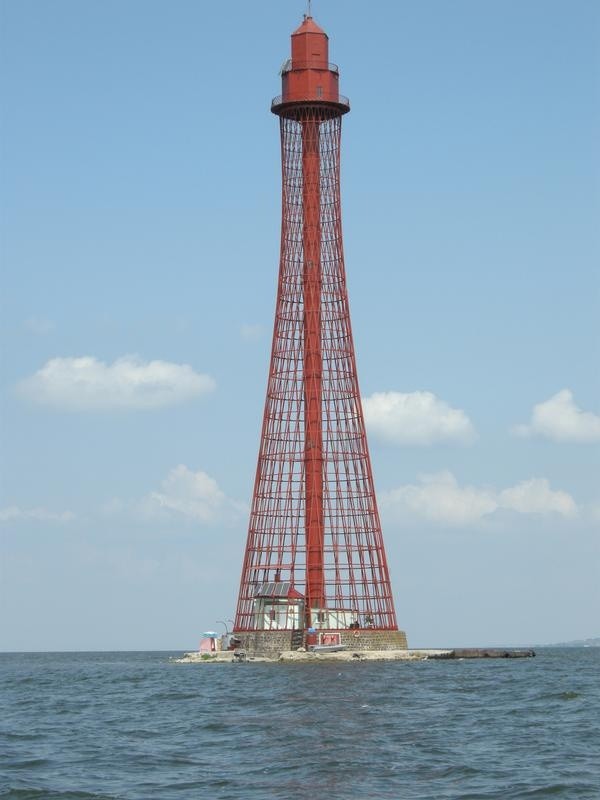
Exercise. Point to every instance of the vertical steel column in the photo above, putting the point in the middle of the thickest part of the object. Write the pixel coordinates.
(312, 374)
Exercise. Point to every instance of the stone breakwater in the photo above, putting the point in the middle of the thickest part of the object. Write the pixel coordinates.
(287, 656)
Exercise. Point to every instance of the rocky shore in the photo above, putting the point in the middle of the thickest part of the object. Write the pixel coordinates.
(288, 656)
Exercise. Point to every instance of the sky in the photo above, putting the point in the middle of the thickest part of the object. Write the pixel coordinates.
(140, 204)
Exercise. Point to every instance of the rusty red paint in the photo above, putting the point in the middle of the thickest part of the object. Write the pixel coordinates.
(314, 520)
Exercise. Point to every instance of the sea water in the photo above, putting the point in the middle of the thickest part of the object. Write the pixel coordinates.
(137, 726)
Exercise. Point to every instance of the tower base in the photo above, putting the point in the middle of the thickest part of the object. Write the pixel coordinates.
(272, 643)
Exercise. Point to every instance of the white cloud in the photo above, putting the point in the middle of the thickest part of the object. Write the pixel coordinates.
(194, 495)
(87, 384)
(439, 498)
(535, 496)
(416, 418)
(251, 333)
(561, 420)
(14, 513)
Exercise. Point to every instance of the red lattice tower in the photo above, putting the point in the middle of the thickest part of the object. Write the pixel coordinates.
(314, 555)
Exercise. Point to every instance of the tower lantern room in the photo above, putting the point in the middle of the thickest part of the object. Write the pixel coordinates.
(308, 75)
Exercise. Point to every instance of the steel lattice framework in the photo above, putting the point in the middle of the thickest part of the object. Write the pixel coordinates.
(314, 523)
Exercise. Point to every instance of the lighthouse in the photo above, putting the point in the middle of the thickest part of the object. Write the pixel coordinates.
(314, 570)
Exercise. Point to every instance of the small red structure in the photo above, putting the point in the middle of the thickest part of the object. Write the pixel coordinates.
(314, 556)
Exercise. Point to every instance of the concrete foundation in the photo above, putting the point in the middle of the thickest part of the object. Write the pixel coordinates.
(265, 643)
(367, 639)
(272, 643)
